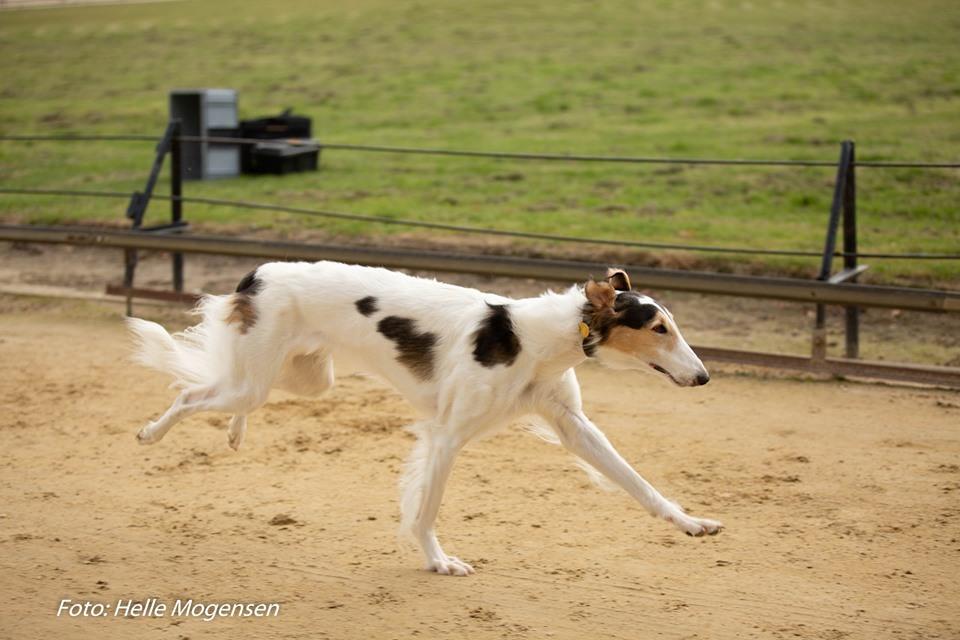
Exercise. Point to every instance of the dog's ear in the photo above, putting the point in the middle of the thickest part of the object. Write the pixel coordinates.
(600, 294)
(618, 279)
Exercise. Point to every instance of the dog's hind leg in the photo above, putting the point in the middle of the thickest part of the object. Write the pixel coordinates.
(186, 404)
(205, 399)
(426, 476)
(240, 383)
(260, 369)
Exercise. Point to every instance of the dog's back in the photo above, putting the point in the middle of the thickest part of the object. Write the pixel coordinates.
(286, 320)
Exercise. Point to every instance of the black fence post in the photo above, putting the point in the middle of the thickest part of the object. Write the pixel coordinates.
(176, 205)
(850, 251)
(130, 256)
(137, 209)
(840, 194)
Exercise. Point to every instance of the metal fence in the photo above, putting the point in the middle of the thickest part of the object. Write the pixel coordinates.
(831, 288)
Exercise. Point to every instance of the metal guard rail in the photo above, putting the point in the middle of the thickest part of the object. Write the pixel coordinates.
(792, 289)
(764, 287)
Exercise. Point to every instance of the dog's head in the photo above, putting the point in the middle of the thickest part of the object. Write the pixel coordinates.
(628, 330)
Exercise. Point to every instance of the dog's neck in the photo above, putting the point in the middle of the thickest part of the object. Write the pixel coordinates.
(549, 326)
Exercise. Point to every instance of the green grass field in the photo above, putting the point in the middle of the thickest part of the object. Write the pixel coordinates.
(696, 79)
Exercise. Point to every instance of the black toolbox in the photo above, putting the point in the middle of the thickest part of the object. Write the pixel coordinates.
(282, 157)
(278, 157)
(284, 125)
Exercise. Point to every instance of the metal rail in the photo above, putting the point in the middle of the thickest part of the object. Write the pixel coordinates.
(796, 290)
(568, 271)
(918, 374)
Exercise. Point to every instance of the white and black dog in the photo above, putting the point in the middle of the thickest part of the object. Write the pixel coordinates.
(468, 361)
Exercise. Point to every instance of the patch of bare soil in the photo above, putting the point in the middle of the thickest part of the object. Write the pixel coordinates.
(840, 501)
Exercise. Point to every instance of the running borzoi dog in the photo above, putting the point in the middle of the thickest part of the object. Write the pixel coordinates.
(468, 361)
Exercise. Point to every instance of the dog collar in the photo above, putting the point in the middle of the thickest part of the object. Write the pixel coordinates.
(584, 330)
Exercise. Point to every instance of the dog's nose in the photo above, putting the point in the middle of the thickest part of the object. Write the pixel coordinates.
(703, 378)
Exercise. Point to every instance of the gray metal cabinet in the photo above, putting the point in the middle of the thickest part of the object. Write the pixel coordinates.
(207, 112)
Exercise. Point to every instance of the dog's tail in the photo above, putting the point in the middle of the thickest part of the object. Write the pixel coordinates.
(197, 356)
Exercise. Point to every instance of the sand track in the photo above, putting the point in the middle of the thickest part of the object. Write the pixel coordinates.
(841, 502)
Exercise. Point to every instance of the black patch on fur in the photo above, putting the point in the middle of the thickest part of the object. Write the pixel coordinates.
(250, 285)
(415, 349)
(632, 311)
(367, 306)
(495, 341)
(629, 310)
(243, 312)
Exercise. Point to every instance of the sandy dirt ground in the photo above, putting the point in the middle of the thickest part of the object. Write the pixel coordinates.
(840, 501)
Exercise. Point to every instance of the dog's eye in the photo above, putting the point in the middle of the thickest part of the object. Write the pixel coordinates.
(660, 328)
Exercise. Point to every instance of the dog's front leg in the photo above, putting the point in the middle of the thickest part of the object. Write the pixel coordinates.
(580, 436)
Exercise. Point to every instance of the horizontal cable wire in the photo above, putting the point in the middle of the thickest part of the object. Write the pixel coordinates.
(477, 230)
(502, 155)
(507, 155)
(70, 137)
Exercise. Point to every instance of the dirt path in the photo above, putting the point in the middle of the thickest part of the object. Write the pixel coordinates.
(841, 502)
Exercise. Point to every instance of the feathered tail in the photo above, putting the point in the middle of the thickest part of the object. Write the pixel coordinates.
(199, 355)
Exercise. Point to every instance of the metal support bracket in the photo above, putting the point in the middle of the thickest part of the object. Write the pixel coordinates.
(137, 210)
(847, 275)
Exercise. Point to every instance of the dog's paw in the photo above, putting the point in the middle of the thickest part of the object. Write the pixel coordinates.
(235, 440)
(695, 526)
(450, 566)
(236, 431)
(235, 436)
(147, 435)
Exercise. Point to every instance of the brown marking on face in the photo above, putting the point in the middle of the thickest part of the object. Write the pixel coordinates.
(644, 343)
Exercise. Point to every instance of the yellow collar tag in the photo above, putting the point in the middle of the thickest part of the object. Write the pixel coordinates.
(584, 330)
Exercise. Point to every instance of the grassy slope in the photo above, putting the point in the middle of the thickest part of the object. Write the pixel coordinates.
(715, 78)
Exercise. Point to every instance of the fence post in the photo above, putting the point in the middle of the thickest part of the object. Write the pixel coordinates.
(137, 209)
(850, 251)
(176, 205)
(131, 256)
(840, 195)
